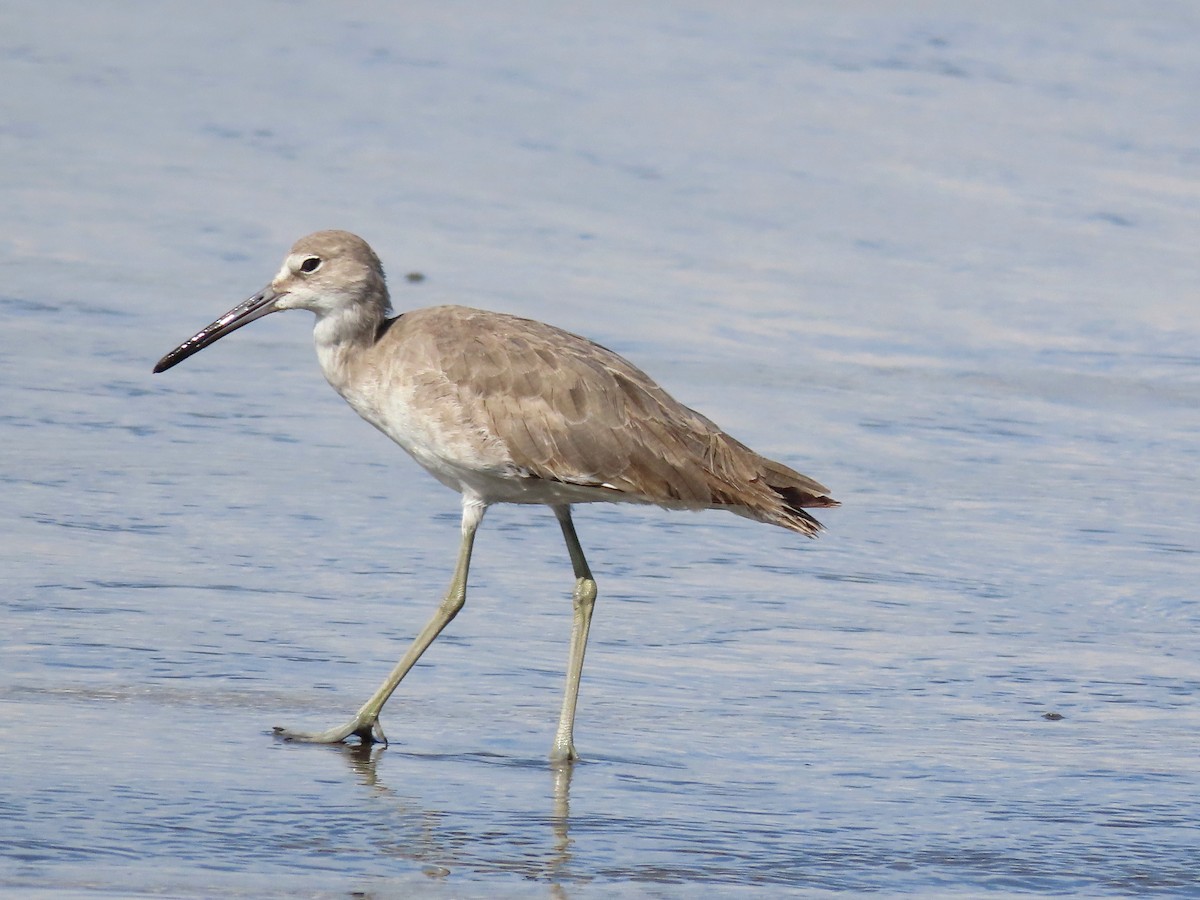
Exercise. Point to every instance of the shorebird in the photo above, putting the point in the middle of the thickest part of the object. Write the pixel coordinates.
(508, 410)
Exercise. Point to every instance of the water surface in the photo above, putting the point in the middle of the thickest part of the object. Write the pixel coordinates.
(944, 262)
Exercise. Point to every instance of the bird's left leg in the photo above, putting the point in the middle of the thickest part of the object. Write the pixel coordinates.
(365, 723)
(584, 600)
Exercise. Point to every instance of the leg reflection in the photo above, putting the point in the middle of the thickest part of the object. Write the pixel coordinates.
(560, 861)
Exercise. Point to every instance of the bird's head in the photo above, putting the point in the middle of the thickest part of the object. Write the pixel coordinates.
(334, 274)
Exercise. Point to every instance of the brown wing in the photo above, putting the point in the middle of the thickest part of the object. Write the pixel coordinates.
(569, 410)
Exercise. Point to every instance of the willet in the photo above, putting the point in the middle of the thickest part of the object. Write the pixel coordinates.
(508, 410)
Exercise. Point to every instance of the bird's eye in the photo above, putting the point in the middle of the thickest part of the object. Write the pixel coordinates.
(310, 265)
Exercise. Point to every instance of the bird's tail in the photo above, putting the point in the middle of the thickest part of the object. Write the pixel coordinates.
(792, 493)
(762, 489)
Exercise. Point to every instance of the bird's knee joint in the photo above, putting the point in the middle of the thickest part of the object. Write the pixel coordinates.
(585, 591)
(453, 604)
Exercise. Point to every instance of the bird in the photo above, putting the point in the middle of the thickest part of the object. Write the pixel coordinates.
(504, 409)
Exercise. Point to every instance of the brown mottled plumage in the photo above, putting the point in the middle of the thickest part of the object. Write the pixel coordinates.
(510, 410)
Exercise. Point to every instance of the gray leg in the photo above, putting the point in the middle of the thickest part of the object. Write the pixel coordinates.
(365, 723)
(584, 599)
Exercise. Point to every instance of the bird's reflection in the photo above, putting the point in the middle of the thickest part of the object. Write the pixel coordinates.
(560, 821)
(439, 845)
(363, 759)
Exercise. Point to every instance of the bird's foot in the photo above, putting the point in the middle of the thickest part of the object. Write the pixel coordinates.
(368, 731)
(563, 752)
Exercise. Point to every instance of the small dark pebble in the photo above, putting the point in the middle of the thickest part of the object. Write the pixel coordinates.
(1052, 717)
(414, 277)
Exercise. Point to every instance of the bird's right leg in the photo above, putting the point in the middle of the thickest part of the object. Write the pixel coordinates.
(365, 723)
(584, 599)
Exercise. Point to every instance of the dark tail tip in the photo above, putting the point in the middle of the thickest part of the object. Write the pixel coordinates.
(796, 500)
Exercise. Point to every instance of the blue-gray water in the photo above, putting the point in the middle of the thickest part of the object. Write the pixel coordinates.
(941, 257)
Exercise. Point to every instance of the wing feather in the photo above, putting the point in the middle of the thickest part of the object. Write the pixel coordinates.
(563, 408)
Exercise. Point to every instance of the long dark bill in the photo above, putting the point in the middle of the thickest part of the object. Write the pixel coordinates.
(261, 304)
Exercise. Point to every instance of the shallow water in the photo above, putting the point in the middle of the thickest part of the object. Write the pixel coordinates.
(944, 263)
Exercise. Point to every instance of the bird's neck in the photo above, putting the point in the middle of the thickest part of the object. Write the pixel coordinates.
(349, 327)
(343, 336)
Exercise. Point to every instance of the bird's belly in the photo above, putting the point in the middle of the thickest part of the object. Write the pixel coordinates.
(469, 460)
(454, 445)
(466, 459)
(492, 478)
(520, 488)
